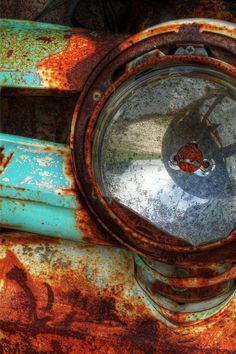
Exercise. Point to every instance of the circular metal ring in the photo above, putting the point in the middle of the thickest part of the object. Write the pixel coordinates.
(107, 77)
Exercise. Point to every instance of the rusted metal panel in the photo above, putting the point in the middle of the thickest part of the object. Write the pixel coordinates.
(38, 192)
(183, 299)
(89, 295)
(59, 297)
(45, 56)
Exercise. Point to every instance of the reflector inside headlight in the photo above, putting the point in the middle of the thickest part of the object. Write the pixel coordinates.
(165, 147)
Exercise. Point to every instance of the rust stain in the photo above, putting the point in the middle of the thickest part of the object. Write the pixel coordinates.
(144, 239)
(188, 295)
(69, 69)
(58, 150)
(76, 316)
(2, 156)
(21, 189)
(55, 68)
(68, 170)
(44, 39)
(192, 153)
(93, 233)
(4, 159)
(203, 272)
(9, 238)
(73, 316)
(92, 230)
(71, 311)
(189, 282)
(9, 53)
(67, 191)
(181, 318)
(141, 225)
(195, 28)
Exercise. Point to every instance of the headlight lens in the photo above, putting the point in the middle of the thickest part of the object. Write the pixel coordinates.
(165, 147)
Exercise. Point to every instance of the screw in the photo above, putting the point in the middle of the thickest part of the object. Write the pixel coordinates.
(97, 95)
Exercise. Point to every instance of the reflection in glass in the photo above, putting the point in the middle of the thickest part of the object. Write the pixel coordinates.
(139, 132)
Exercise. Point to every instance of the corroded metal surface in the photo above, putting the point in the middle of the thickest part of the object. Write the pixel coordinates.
(4, 159)
(88, 295)
(207, 294)
(192, 26)
(182, 298)
(46, 56)
(117, 220)
(58, 297)
(38, 192)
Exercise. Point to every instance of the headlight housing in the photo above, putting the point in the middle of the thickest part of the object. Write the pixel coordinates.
(154, 141)
(164, 147)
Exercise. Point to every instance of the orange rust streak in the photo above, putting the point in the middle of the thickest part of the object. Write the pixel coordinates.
(10, 238)
(16, 290)
(176, 27)
(181, 317)
(202, 282)
(54, 69)
(90, 228)
(93, 233)
(4, 160)
(75, 316)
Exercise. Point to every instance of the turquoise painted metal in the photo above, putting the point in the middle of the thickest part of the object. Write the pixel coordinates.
(35, 176)
(37, 55)
(23, 45)
(37, 190)
(45, 57)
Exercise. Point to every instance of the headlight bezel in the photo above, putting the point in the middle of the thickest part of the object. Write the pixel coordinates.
(122, 224)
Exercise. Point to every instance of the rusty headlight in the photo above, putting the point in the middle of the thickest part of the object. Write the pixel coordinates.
(164, 147)
(153, 145)
(153, 141)
(156, 157)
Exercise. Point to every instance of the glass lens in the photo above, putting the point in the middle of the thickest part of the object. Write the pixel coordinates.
(165, 147)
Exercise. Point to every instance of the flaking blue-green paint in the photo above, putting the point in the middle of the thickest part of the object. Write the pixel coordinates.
(24, 44)
(33, 185)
